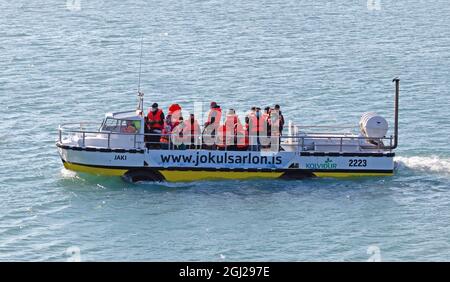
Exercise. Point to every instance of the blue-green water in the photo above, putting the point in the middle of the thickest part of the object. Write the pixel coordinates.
(324, 62)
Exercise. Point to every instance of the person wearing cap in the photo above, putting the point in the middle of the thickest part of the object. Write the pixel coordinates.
(214, 114)
(211, 124)
(154, 126)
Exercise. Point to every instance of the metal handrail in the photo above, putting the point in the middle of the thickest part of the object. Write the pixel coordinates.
(198, 138)
(325, 126)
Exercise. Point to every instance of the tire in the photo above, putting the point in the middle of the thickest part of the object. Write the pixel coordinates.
(143, 175)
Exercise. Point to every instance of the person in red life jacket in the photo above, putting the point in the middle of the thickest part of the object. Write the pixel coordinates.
(175, 112)
(242, 138)
(248, 116)
(172, 133)
(277, 124)
(178, 130)
(211, 125)
(227, 133)
(255, 129)
(214, 114)
(265, 134)
(192, 133)
(154, 124)
(166, 132)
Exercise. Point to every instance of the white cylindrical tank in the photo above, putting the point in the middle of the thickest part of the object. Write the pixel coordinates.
(291, 131)
(373, 125)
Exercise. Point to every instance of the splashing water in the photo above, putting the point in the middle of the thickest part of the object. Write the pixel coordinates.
(432, 164)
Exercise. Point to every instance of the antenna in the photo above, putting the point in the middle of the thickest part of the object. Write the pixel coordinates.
(140, 107)
(140, 65)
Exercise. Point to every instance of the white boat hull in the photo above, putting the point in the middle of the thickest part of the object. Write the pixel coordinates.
(191, 165)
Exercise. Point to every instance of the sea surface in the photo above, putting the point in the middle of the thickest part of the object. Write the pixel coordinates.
(324, 62)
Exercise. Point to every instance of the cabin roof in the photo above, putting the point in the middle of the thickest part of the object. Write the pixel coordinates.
(129, 115)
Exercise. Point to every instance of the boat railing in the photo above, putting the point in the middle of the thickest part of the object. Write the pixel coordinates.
(336, 142)
(318, 129)
(328, 142)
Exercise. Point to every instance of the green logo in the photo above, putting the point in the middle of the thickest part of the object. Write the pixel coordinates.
(327, 164)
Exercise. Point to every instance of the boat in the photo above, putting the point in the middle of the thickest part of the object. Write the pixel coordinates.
(300, 153)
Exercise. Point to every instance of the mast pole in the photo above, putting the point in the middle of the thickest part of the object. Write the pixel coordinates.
(140, 106)
(397, 93)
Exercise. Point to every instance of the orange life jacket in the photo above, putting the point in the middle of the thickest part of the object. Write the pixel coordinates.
(155, 119)
(164, 135)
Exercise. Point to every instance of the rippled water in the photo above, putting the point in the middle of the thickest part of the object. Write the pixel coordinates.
(325, 62)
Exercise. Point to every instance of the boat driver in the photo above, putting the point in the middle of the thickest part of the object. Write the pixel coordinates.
(129, 128)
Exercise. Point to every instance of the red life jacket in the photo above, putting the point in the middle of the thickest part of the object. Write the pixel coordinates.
(226, 132)
(192, 128)
(221, 136)
(266, 118)
(165, 137)
(216, 113)
(236, 135)
(155, 119)
(242, 137)
(256, 124)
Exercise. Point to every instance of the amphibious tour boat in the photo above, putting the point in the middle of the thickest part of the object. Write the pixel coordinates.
(108, 149)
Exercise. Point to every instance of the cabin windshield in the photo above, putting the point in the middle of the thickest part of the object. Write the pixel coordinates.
(121, 126)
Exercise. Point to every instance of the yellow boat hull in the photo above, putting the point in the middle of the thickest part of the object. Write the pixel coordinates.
(174, 175)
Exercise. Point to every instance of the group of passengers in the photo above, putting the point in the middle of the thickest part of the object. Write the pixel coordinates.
(230, 135)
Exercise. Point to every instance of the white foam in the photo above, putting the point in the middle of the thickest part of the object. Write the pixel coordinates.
(165, 184)
(432, 163)
(65, 173)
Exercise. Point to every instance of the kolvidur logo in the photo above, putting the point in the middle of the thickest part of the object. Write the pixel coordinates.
(327, 164)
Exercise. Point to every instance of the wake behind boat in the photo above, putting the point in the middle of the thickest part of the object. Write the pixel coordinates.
(125, 145)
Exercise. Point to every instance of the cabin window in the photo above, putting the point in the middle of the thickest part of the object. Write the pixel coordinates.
(112, 125)
(128, 126)
(121, 126)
